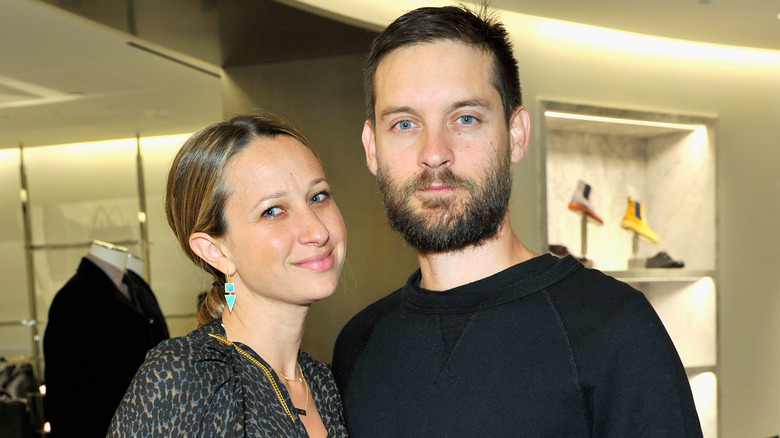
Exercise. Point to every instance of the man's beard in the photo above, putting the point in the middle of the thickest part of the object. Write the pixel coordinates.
(449, 223)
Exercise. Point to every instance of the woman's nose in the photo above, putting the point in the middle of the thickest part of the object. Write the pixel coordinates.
(313, 230)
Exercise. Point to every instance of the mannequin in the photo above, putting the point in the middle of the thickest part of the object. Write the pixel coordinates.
(135, 264)
(101, 324)
(109, 253)
(112, 259)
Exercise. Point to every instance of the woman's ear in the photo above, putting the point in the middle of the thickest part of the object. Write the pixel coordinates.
(210, 250)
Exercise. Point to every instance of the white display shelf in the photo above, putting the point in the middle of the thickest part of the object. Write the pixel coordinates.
(660, 274)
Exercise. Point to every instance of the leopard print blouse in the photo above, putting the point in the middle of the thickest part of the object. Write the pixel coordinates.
(198, 386)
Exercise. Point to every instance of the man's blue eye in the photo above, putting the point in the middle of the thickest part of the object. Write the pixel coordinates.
(467, 120)
(404, 125)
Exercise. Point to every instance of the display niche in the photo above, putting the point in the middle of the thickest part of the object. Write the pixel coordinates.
(632, 193)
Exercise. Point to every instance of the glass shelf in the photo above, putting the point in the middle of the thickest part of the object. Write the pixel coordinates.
(660, 274)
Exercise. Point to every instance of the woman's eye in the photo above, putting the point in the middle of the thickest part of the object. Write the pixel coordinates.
(271, 212)
(321, 196)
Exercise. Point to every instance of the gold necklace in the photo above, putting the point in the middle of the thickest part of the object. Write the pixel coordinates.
(293, 379)
(306, 405)
(268, 375)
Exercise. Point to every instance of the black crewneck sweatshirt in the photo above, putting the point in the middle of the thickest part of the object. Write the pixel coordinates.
(543, 348)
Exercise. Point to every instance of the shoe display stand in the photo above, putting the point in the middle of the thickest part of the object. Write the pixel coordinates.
(665, 162)
(584, 236)
(584, 241)
(636, 262)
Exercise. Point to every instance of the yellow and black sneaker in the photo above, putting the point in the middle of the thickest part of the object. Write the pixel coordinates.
(634, 220)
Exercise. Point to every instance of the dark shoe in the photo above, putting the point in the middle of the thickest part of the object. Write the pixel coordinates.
(662, 260)
(561, 251)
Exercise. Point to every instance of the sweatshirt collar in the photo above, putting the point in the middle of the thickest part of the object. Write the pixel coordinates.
(510, 284)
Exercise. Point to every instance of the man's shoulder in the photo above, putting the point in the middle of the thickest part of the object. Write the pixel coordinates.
(589, 297)
(594, 284)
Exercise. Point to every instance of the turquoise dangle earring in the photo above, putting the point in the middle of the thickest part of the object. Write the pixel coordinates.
(230, 293)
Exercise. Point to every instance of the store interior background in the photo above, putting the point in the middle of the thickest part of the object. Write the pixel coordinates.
(78, 75)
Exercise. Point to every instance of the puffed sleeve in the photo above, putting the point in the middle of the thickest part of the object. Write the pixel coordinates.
(182, 389)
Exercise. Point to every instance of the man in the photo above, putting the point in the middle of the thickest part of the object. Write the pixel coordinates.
(488, 338)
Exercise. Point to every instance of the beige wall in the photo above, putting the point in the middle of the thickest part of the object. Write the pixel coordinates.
(324, 97)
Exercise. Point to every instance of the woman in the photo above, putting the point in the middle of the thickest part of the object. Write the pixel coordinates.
(249, 203)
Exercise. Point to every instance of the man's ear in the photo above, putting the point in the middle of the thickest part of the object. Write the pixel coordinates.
(519, 133)
(369, 144)
(211, 251)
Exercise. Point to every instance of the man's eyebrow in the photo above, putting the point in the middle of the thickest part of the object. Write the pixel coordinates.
(396, 110)
(469, 102)
(390, 111)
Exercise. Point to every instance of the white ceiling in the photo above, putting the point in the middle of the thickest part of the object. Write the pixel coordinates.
(64, 78)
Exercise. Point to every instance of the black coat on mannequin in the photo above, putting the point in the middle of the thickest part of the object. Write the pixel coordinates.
(95, 341)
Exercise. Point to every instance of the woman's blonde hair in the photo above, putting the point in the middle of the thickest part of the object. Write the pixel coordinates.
(196, 196)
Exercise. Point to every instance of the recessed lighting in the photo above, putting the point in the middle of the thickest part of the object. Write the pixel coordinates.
(637, 43)
(620, 121)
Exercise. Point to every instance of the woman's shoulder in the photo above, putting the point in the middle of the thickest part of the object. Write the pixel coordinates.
(180, 383)
(191, 351)
(189, 367)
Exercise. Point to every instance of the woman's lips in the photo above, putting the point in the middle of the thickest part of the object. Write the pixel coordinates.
(321, 262)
